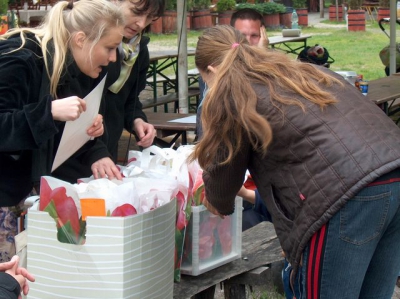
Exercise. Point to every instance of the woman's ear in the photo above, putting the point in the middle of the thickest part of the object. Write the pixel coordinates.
(212, 69)
(79, 39)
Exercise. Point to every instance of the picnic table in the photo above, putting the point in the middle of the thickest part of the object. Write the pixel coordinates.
(384, 91)
(286, 43)
(260, 247)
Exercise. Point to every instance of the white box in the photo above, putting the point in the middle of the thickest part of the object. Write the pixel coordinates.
(203, 249)
(123, 257)
(350, 76)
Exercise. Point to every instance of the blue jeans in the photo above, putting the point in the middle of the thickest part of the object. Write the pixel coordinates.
(361, 258)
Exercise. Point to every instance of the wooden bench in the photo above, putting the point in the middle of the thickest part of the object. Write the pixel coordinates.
(169, 82)
(260, 247)
(169, 98)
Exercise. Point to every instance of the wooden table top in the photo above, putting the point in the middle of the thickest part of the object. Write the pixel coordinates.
(260, 246)
(384, 89)
(163, 54)
(161, 121)
(274, 40)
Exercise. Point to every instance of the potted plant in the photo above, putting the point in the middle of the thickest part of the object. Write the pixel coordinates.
(336, 12)
(271, 11)
(383, 9)
(300, 7)
(355, 16)
(201, 17)
(256, 7)
(225, 9)
(3, 16)
(169, 17)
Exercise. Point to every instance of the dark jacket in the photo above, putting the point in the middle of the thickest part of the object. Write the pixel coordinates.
(123, 108)
(26, 123)
(9, 286)
(119, 111)
(317, 161)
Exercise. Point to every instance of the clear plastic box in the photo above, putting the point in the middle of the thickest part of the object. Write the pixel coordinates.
(350, 76)
(211, 241)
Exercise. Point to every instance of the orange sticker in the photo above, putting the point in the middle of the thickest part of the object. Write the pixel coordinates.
(93, 207)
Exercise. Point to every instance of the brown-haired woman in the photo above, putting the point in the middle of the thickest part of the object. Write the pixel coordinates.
(329, 156)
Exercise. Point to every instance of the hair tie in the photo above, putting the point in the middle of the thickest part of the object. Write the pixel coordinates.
(70, 4)
(234, 45)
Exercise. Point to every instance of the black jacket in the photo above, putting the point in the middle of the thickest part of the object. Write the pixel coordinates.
(123, 108)
(27, 127)
(119, 111)
(9, 286)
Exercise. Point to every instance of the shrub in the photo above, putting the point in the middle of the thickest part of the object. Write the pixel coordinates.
(354, 4)
(384, 3)
(3, 7)
(224, 5)
(269, 8)
(299, 4)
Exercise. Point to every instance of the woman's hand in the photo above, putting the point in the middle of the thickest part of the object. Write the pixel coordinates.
(105, 168)
(68, 108)
(97, 128)
(247, 194)
(20, 274)
(211, 209)
(144, 131)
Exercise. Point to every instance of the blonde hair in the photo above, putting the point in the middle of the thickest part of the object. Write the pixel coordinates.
(229, 110)
(93, 17)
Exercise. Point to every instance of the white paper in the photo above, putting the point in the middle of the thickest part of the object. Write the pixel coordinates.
(186, 120)
(74, 135)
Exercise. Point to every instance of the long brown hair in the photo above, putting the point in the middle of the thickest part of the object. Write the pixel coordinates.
(229, 110)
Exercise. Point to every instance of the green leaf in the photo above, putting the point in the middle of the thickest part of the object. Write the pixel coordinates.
(66, 234)
(51, 209)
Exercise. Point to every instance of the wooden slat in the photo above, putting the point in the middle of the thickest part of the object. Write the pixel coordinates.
(260, 247)
(168, 98)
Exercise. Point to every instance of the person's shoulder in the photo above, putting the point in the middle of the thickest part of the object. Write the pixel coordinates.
(144, 41)
(9, 286)
(12, 47)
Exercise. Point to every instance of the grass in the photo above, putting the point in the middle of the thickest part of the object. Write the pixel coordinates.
(352, 51)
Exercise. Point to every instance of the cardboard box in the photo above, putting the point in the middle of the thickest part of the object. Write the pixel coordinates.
(123, 257)
(211, 241)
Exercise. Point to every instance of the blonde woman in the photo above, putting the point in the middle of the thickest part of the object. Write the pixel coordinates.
(329, 156)
(125, 80)
(45, 72)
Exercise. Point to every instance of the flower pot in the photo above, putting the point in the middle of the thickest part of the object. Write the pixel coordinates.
(169, 21)
(285, 19)
(3, 24)
(156, 26)
(271, 21)
(202, 19)
(302, 13)
(224, 17)
(383, 12)
(214, 18)
(335, 15)
(189, 21)
(356, 20)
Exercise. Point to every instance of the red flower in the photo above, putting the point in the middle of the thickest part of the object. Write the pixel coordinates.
(181, 221)
(225, 236)
(64, 209)
(124, 210)
(206, 237)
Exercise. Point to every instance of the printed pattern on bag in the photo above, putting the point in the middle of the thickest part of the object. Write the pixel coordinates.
(123, 257)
